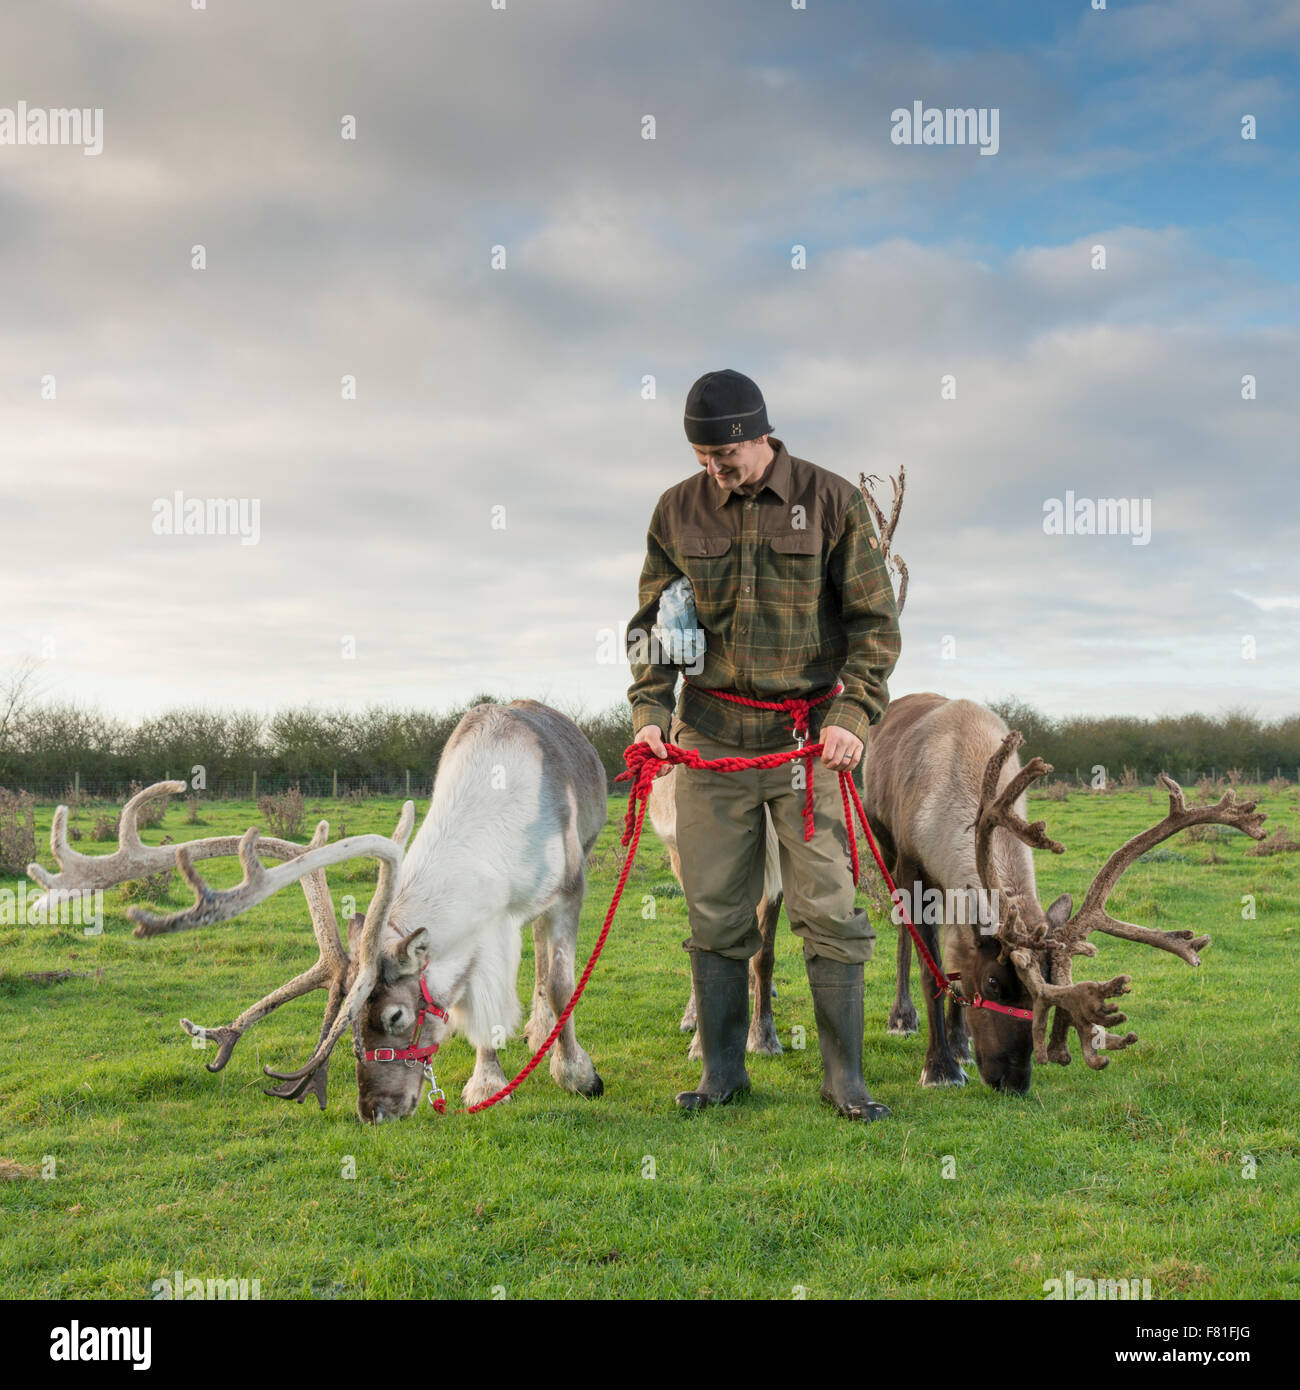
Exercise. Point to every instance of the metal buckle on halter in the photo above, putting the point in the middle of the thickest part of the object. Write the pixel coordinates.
(379, 1054)
(800, 738)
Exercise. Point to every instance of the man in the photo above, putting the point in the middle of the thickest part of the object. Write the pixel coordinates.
(791, 592)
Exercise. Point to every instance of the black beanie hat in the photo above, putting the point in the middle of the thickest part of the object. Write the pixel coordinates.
(725, 408)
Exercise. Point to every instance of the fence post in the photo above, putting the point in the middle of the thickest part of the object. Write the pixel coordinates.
(254, 784)
(76, 784)
(408, 781)
(335, 793)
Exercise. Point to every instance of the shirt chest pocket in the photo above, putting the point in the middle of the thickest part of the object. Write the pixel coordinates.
(792, 575)
(710, 563)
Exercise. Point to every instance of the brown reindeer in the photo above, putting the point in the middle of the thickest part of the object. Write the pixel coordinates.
(945, 797)
(663, 816)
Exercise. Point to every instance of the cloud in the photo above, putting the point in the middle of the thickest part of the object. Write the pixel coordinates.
(480, 390)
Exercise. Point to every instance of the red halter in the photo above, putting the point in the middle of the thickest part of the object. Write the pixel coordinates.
(412, 1053)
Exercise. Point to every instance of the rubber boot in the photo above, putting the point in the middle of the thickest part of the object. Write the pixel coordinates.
(837, 1004)
(722, 1016)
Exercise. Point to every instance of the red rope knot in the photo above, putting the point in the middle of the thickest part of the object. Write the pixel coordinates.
(801, 713)
(642, 769)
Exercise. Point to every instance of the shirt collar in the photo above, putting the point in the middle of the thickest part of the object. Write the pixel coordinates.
(777, 477)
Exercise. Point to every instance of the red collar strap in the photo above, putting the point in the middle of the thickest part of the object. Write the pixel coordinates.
(979, 1002)
(412, 1053)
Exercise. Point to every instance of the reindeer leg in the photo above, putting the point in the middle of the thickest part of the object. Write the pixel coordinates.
(541, 1020)
(486, 1079)
(958, 1033)
(687, 1025)
(941, 1067)
(762, 1028)
(903, 1020)
(571, 1067)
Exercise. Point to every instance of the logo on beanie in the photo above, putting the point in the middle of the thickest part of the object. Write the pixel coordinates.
(737, 429)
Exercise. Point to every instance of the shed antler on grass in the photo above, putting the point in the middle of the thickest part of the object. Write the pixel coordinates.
(1084, 1006)
(348, 980)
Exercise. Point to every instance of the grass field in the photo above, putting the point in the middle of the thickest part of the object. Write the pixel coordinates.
(1138, 1172)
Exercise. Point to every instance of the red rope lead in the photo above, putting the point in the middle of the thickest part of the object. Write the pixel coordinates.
(643, 766)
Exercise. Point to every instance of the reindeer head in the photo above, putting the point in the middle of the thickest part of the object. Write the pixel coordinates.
(1002, 1043)
(391, 1019)
(1022, 957)
(393, 1016)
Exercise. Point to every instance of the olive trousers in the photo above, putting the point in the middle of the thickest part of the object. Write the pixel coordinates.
(721, 842)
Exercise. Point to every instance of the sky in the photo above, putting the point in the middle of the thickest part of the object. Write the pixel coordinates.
(473, 521)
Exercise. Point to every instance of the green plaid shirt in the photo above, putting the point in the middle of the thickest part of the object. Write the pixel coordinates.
(791, 592)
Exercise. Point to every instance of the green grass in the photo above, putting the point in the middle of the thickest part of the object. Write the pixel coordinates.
(1135, 1172)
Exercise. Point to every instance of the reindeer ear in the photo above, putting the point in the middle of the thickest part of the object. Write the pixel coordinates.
(411, 954)
(1059, 912)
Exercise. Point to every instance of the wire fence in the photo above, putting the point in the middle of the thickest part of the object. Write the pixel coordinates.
(339, 786)
(419, 786)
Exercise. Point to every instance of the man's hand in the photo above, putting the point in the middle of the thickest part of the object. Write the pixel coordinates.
(654, 736)
(841, 750)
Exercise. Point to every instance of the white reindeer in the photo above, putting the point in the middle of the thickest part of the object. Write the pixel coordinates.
(516, 808)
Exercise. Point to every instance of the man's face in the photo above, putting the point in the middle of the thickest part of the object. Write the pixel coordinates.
(735, 465)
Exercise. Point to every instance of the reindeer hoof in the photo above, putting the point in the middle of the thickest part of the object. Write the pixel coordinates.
(944, 1071)
(691, 1101)
(903, 1022)
(764, 1041)
(857, 1105)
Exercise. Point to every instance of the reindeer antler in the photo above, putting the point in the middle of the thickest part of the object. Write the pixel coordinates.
(81, 873)
(1092, 916)
(260, 883)
(333, 971)
(329, 973)
(1083, 1006)
(997, 810)
(885, 529)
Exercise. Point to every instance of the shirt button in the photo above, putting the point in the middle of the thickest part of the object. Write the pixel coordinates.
(747, 588)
